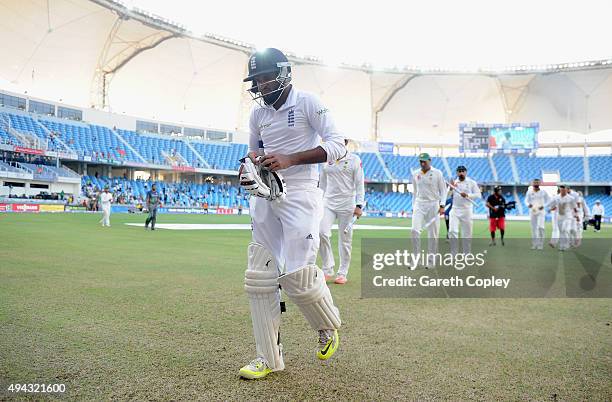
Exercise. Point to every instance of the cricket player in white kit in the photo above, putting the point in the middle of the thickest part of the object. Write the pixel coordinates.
(582, 214)
(465, 191)
(428, 201)
(106, 198)
(565, 205)
(554, 220)
(342, 184)
(290, 133)
(536, 199)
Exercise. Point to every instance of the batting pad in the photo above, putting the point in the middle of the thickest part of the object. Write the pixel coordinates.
(261, 285)
(306, 287)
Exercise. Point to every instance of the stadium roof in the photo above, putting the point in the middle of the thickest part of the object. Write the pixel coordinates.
(108, 55)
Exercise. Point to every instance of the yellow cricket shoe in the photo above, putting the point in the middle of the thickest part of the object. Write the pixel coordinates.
(256, 369)
(328, 343)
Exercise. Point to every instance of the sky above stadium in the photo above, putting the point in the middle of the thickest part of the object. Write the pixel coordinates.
(446, 33)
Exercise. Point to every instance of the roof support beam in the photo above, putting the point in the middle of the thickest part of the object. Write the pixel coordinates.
(386, 98)
(115, 54)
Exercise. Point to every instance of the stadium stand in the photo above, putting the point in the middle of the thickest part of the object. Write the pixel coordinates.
(104, 143)
(372, 168)
(570, 168)
(599, 168)
(221, 156)
(401, 166)
(504, 168)
(478, 168)
(26, 125)
(172, 194)
(100, 142)
(606, 201)
(378, 201)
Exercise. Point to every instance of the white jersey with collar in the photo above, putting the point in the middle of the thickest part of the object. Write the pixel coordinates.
(565, 205)
(598, 209)
(106, 199)
(429, 187)
(342, 182)
(302, 123)
(536, 198)
(469, 187)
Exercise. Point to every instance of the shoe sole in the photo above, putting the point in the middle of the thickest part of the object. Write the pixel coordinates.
(249, 375)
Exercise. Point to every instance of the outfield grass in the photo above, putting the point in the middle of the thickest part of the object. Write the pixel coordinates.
(120, 313)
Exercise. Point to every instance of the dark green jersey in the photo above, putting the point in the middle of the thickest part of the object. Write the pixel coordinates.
(152, 199)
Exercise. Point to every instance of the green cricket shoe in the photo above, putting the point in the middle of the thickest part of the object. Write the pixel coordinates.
(328, 343)
(256, 369)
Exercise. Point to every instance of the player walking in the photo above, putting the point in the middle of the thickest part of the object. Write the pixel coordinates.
(554, 219)
(428, 202)
(342, 183)
(286, 130)
(583, 216)
(460, 216)
(536, 199)
(153, 201)
(565, 204)
(106, 198)
(497, 214)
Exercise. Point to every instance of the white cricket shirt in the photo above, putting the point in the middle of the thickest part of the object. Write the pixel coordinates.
(106, 198)
(536, 198)
(565, 205)
(342, 182)
(429, 187)
(598, 210)
(302, 123)
(469, 187)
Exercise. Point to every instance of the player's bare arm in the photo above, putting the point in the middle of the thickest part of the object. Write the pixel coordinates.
(276, 162)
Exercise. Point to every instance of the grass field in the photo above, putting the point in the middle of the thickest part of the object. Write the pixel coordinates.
(120, 313)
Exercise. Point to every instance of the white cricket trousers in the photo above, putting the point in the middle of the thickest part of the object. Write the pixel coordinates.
(460, 219)
(106, 211)
(344, 240)
(554, 237)
(422, 213)
(537, 228)
(577, 232)
(566, 231)
(289, 229)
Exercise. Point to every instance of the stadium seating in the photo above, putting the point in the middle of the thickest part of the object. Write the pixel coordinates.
(570, 168)
(606, 201)
(372, 168)
(600, 169)
(6, 167)
(104, 143)
(159, 150)
(25, 124)
(378, 201)
(101, 142)
(221, 156)
(478, 168)
(504, 168)
(173, 194)
(117, 149)
(401, 166)
(81, 139)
